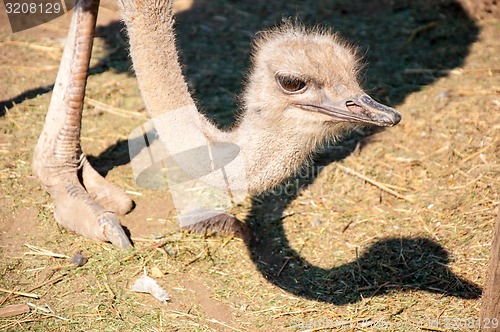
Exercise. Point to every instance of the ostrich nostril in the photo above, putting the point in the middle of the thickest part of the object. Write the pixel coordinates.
(355, 108)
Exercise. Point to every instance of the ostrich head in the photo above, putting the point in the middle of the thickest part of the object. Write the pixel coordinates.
(307, 81)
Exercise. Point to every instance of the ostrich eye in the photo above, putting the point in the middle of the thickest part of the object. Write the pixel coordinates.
(291, 84)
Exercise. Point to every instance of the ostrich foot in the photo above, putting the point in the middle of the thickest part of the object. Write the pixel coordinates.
(85, 202)
(223, 224)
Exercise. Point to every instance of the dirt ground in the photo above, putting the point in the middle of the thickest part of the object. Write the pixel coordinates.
(333, 251)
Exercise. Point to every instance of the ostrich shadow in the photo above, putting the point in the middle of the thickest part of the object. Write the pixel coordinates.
(389, 264)
(408, 45)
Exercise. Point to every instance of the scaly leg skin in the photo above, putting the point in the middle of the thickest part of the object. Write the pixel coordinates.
(85, 202)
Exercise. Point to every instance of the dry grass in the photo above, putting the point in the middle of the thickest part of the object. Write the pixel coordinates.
(333, 249)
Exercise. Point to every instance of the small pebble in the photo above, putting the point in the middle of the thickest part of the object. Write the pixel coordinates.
(445, 94)
(157, 236)
(79, 260)
(316, 222)
(219, 18)
(169, 251)
(156, 272)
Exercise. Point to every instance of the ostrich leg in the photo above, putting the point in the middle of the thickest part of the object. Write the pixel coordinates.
(84, 201)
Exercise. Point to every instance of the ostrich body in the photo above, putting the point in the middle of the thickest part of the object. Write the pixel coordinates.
(302, 90)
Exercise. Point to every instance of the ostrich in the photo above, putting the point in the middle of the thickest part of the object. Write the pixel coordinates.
(302, 90)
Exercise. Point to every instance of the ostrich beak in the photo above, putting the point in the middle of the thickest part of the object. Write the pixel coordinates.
(360, 109)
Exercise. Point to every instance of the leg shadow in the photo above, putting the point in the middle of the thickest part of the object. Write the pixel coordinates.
(116, 59)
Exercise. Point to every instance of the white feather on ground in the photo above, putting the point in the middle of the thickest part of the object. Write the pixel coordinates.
(146, 284)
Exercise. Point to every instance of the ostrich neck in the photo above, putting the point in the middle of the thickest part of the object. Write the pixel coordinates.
(154, 55)
(270, 156)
